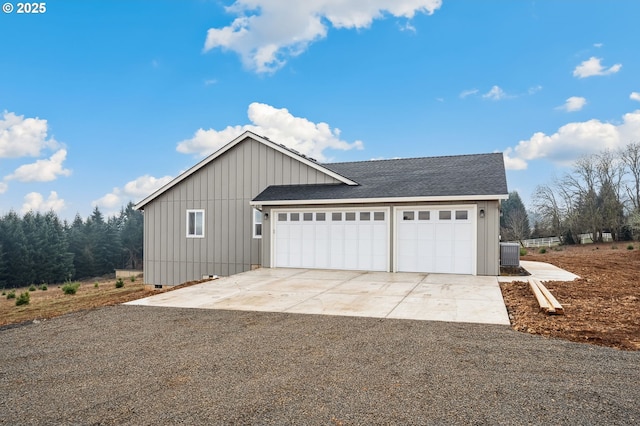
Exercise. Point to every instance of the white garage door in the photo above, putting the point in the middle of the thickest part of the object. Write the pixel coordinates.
(322, 239)
(436, 239)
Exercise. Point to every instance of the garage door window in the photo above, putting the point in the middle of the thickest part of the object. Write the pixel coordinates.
(408, 215)
(365, 215)
(424, 215)
(307, 217)
(444, 215)
(295, 217)
(378, 216)
(350, 216)
(336, 217)
(282, 217)
(320, 217)
(462, 214)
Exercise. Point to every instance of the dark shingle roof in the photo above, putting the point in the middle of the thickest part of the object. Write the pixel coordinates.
(461, 175)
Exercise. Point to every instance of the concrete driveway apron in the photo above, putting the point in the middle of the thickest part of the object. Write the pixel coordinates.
(417, 296)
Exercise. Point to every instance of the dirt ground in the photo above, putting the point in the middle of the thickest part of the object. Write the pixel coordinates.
(602, 307)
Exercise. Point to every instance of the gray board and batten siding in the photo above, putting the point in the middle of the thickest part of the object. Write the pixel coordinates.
(223, 188)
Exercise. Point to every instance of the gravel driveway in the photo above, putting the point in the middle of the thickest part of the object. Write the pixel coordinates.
(150, 365)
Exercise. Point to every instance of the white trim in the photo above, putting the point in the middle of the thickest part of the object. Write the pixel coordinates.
(453, 207)
(274, 214)
(447, 198)
(227, 147)
(187, 222)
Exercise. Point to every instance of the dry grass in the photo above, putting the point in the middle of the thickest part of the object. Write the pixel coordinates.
(53, 302)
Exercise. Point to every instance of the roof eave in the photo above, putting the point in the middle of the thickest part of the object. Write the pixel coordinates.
(491, 197)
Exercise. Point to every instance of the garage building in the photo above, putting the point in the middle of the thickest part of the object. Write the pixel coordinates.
(256, 203)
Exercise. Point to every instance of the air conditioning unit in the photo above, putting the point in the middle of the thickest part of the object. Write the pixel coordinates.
(510, 254)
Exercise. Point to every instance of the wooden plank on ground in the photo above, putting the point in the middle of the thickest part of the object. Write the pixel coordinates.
(542, 301)
(552, 300)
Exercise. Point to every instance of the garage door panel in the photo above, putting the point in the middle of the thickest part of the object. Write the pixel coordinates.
(462, 232)
(435, 239)
(332, 240)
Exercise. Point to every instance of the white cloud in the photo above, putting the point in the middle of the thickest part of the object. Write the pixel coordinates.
(598, 45)
(635, 96)
(574, 103)
(592, 67)
(266, 32)
(34, 201)
(23, 137)
(513, 163)
(3, 187)
(469, 92)
(535, 89)
(133, 190)
(205, 142)
(42, 170)
(495, 94)
(144, 185)
(574, 140)
(408, 27)
(277, 124)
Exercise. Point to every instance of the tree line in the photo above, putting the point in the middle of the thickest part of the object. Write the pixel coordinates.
(40, 248)
(600, 194)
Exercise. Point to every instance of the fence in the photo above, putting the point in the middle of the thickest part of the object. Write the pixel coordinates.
(588, 238)
(540, 242)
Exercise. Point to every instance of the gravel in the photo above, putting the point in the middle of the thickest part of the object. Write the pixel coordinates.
(148, 365)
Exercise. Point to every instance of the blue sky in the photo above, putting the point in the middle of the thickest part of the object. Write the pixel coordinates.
(103, 101)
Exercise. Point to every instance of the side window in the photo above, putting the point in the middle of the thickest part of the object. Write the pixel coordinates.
(195, 223)
(257, 223)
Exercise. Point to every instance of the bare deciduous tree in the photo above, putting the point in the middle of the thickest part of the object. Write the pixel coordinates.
(517, 226)
(630, 156)
(547, 204)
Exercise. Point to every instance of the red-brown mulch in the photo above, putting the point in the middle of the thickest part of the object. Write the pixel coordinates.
(602, 307)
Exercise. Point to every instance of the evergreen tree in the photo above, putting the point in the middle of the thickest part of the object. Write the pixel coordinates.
(58, 250)
(113, 248)
(39, 248)
(131, 237)
(34, 244)
(16, 253)
(3, 267)
(83, 259)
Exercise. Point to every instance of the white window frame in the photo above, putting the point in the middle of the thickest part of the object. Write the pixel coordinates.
(195, 217)
(257, 214)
